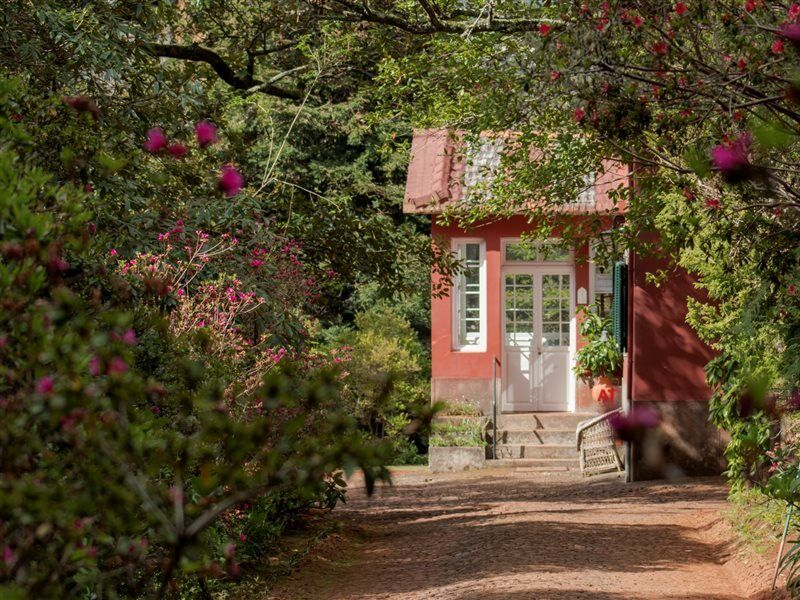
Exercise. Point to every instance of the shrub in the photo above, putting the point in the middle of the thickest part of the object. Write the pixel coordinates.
(468, 432)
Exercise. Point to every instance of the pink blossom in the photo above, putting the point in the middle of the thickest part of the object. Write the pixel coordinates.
(777, 47)
(45, 385)
(117, 365)
(113, 252)
(732, 158)
(230, 550)
(129, 337)
(633, 425)
(95, 366)
(681, 9)
(8, 556)
(578, 114)
(155, 409)
(712, 203)
(242, 537)
(794, 11)
(792, 289)
(181, 292)
(256, 262)
(156, 140)
(791, 32)
(230, 181)
(206, 133)
(177, 150)
(544, 29)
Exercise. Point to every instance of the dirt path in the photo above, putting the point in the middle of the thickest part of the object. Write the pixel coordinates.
(517, 535)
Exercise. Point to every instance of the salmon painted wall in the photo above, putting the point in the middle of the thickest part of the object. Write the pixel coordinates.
(667, 358)
(453, 364)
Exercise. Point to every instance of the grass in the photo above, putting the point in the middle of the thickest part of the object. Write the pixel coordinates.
(456, 408)
(757, 520)
(467, 433)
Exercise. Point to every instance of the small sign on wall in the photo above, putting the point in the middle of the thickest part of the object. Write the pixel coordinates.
(583, 296)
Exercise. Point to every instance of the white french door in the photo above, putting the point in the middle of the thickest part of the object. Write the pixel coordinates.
(537, 338)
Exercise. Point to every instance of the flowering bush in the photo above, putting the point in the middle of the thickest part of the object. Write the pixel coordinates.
(123, 460)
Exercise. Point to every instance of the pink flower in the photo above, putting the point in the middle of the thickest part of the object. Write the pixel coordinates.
(230, 181)
(95, 367)
(45, 385)
(578, 114)
(256, 262)
(794, 11)
(732, 159)
(117, 365)
(777, 47)
(8, 556)
(156, 140)
(242, 537)
(792, 290)
(712, 203)
(681, 9)
(177, 150)
(181, 292)
(544, 29)
(660, 47)
(155, 410)
(230, 550)
(206, 133)
(113, 252)
(791, 32)
(129, 337)
(637, 21)
(82, 104)
(633, 425)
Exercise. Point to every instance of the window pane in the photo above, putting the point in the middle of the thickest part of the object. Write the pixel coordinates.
(516, 252)
(553, 252)
(467, 303)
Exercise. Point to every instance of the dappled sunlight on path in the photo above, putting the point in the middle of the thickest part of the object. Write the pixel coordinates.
(513, 536)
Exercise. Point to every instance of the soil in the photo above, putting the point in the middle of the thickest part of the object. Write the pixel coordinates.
(516, 534)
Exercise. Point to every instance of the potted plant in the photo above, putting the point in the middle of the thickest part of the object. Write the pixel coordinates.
(599, 362)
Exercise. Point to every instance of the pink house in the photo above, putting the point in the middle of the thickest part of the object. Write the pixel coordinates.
(507, 331)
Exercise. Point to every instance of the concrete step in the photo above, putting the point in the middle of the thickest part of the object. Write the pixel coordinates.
(539, 464)
(542, 420)
(533, 436)
(537, 451)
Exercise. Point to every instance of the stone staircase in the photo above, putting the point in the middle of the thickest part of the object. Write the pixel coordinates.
(537, 441)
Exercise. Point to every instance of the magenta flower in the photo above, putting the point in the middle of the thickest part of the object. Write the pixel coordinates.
(632, 426)
(791, 31)
(113, 252)
(117, 365)
(95, 368)
(732, 159)
(8, 556)
(45, 385)
(156, 140)
(177, 150)
(230, 181)
(129, 337)
(206, 133)
(256, 262)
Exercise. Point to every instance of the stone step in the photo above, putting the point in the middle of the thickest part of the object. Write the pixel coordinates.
(537, 451)
(539, 464)
(553, 420)
(533, 436)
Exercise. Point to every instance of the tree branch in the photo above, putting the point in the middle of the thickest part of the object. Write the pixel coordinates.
(196, 53)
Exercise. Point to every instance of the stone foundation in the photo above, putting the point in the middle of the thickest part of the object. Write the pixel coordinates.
(685, 443)
(443, 459)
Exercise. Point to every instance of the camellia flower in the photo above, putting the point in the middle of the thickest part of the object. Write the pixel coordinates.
(681, 9)
(156, 140)
(256, 262)
(544, 28)
(791, 32)
(206, 133)
(82, 104)
(230, 181)
(177, 150)
(113, 252)
(45, 385)
(578, 114)
(794, 11)
(117, 365)
(777, 47)
(732, 159)
(632, 426)
(712, 203)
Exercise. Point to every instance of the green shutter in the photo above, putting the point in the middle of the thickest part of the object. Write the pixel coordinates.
(620, 307)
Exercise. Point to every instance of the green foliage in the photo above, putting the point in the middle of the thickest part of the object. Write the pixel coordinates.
(386, 386)
(464, 409)
(465, 432)
(600, 357)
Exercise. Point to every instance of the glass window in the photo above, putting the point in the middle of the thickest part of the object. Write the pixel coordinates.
(603, 284)
(555, 310)
(468, 299)
(550, 251)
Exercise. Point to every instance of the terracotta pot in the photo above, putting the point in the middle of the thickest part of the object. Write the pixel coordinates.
(604, 392)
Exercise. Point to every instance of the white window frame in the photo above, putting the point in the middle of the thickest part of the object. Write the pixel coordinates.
(506, 241)
(593, 272)
(455, 299)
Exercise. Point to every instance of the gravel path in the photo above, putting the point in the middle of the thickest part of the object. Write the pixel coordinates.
(519, 535)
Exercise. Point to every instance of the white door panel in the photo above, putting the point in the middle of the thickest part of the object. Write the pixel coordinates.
(537, 335)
